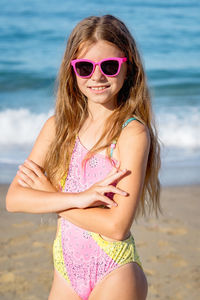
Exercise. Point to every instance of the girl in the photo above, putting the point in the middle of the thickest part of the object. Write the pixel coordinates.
(95, 163)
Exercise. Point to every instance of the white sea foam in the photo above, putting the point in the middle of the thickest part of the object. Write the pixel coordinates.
(20, 127)
(176, 128)
(180, 128)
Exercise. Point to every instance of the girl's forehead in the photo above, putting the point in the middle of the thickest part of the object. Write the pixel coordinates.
(100, 46)
(85, 47)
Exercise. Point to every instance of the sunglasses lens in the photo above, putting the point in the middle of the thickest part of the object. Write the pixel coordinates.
(84, 68)
(110, 67)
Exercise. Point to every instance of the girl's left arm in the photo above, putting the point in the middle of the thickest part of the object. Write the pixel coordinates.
(133, 145)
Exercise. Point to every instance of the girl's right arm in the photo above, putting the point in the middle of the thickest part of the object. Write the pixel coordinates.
(43, 197)
(46, 199)
(35, 201)
(20, 199)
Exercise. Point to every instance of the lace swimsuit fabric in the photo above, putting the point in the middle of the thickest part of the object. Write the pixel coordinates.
(83, 257)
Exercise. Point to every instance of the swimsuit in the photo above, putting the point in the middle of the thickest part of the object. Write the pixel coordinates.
(83, 257)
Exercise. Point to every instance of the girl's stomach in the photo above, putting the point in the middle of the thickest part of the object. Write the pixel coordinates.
(102, 236)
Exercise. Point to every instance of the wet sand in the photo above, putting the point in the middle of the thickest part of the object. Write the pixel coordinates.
(169, 248)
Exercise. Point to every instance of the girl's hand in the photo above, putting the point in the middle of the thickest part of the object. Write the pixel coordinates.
(95, 195)
(32, 176)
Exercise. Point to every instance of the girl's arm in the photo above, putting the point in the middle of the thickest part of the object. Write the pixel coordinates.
(32, 192)
(20, 199)
(34, 201)
(116, 222)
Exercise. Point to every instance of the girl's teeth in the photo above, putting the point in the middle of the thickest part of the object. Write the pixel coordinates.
(98, 88)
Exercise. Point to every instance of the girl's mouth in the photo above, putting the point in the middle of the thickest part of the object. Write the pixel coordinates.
(98, 88)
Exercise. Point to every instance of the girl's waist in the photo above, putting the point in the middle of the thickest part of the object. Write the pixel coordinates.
(77, 231)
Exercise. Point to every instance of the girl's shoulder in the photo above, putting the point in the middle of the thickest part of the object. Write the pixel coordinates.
(50, 124)
(48, 130)
(43, 142)
(133, 128)
(134, 134)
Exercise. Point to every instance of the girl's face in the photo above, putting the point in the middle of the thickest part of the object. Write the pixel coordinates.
(99, 88)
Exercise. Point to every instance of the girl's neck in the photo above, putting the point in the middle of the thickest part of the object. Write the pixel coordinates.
(99, 112)
(92, 128)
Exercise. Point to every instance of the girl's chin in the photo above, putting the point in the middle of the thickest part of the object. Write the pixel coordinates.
(105, 101)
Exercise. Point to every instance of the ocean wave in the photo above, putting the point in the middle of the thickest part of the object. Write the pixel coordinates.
(22, 80)
(20, 126)
(180, 127)
(177, 128)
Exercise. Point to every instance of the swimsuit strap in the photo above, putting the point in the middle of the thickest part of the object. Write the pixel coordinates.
(113, 145)
(127, 122)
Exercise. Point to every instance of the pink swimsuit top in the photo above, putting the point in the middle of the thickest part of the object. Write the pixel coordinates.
(96, 168)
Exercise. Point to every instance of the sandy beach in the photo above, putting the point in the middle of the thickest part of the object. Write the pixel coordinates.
(169, 248)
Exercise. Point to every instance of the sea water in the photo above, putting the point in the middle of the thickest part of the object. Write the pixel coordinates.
(33, 37)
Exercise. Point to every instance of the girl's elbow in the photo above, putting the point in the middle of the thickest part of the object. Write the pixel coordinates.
(117, 232)
(121, 231)
(10, 207)
(11, 204)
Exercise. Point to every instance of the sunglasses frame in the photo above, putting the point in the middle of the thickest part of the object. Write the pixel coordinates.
(119, 59)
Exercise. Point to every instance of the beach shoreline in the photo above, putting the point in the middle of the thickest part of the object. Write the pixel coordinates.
(168, 247)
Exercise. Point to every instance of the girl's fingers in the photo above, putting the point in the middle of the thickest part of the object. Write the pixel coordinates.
(28, 172)
(22, 183)
(108, 180)
(113, 189)
(106, 200)
(113, 171)
(33, 166)
(25, 178)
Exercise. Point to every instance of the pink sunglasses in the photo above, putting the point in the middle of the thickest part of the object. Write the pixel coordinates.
(110, 67)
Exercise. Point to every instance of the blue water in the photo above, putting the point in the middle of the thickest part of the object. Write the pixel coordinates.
(33, 36)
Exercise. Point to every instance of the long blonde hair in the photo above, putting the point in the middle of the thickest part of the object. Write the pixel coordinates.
(133, 99)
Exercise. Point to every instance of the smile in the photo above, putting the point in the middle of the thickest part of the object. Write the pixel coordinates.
(98, 88)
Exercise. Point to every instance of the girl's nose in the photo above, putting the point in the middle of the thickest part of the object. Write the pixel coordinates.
(97, 75)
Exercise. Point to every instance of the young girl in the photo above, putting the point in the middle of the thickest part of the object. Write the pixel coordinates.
(95, 163)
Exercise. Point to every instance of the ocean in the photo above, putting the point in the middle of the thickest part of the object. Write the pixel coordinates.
(33, 37)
